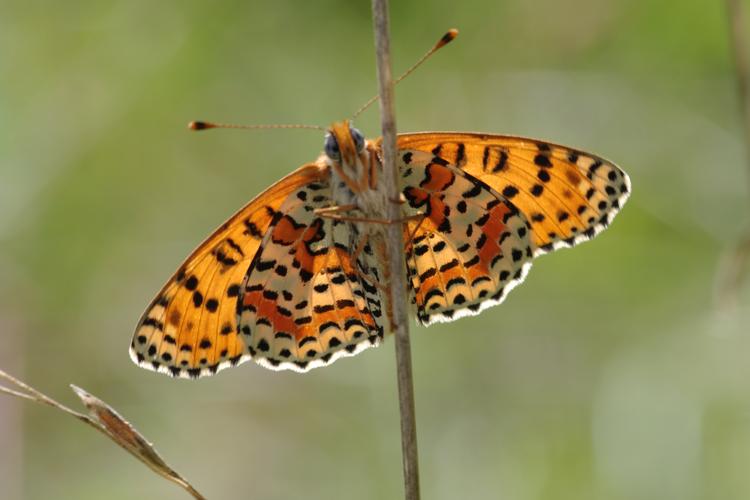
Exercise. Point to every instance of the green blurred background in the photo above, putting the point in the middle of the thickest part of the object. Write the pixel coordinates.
(612, 373)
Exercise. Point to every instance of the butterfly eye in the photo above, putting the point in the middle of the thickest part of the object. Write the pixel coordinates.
(332, 147)
(359, 139)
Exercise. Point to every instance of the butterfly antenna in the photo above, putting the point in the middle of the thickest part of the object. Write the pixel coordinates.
(199, 125)
(444, 40)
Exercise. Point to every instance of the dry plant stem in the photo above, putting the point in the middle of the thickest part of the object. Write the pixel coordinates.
(395, 245)
(32, 394)
(107, 421)
(735, 265)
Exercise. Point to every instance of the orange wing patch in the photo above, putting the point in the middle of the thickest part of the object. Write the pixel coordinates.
(471, 248)
(305, 301)
(190, 328)
(567, 195)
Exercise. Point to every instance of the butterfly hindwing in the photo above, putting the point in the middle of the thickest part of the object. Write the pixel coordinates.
(190, 328)
(471, 248)
(305, 301)
(567, 195)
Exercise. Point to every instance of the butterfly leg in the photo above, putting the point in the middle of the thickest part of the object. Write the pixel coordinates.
(376, 284)
(400, 200)
(412, 234)
(360, 246)
(355, 255)
(335, 209)
(418, 216)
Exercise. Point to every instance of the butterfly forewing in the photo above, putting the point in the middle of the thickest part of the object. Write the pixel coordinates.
(567, 195)
(190, 328)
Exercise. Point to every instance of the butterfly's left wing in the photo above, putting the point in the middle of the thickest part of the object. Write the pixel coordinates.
(491, 203)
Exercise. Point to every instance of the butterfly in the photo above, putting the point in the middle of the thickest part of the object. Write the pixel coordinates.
(298, 277)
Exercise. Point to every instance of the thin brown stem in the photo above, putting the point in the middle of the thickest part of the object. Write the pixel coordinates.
(395, 248)
(734, 267)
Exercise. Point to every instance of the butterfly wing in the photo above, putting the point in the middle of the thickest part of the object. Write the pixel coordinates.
(190, 328)
(472, 247)
(567, 195)
(307, 300)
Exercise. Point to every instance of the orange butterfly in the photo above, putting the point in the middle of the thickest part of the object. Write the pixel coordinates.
(297, 278)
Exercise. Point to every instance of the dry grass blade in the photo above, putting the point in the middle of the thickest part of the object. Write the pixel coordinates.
(106, 420)
(127, 436)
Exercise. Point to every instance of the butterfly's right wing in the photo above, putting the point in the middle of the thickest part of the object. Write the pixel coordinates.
(472, 247)
(493, 202)
(568, 195)
(190, 328)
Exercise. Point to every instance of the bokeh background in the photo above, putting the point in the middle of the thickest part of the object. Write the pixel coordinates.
(613, 372)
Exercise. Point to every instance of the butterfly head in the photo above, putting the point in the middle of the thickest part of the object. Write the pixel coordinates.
(343, 143)
(344, 148)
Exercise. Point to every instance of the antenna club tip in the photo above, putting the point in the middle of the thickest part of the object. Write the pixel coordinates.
(447, 38)
(198, 125)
